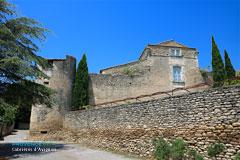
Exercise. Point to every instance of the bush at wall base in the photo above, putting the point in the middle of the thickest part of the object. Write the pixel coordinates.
(164, 151)
(237, 156)
(194, 155)
(215, 149)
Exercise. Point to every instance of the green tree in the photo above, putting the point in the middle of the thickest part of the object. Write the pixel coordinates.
(218, 69)
(19, 40)
(230, 71)
(80, 91)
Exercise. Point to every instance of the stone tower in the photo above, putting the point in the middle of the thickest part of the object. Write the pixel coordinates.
(61, 80)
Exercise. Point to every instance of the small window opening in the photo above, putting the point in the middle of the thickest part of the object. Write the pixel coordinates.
(46, 82)
(43, 132)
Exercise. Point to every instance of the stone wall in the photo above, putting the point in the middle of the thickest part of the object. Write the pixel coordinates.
(200, 118)
(6, 129)
(106, 88)
(151, 75)
(44, 119)
(153, 72)
(137, 67)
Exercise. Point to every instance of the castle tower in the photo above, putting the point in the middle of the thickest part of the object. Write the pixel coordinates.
(44, 119)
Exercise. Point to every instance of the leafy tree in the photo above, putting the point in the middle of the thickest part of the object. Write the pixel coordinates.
(230, 71)
(6, 113)
(19, 40)
(80, 91)
(218, 69)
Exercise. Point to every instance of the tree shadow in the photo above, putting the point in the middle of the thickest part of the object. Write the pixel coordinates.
(19, 150)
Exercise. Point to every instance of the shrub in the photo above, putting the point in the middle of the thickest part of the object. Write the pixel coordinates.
(204, 71)
(162, 149)
(237, 73)
(7, 113)
(9, 116)
(192, 153)
(178, 147)
(195, 155)
(198, 157)
(232, 82)
(237, 156)
(215, 149)
(128, 102)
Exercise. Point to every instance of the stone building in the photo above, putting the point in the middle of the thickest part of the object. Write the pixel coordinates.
(61, 75)
(161, 67)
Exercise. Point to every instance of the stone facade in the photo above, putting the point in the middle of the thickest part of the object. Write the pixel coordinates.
(153, 72)
(199, 118)
(208, 107)
(61, 80)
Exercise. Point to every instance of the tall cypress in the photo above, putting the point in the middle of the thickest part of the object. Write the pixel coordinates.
(230, 71)
(80, 91)
(219, 72)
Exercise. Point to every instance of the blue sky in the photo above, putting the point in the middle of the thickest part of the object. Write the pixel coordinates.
(113, 32)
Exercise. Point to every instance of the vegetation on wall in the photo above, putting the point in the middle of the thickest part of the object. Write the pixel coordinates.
(19, 40)
(238, 74)
(204, 71)
(128, 102)
(215, 149)
(218, 69)
(128, 71)
(80, 91)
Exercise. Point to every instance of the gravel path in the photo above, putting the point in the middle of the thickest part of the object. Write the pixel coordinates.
(49, 151)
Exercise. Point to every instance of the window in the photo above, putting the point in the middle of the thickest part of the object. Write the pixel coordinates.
(177, 74)
(45, 82)
(175, 52)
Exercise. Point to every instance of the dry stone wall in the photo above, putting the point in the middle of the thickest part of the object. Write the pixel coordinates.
(215, 106)
(200, 118)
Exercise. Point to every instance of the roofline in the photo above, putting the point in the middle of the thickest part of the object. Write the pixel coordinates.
(152, 45)
(170, 46)
(143, 52)
(117, 66)
(172, 41)
(55, 59)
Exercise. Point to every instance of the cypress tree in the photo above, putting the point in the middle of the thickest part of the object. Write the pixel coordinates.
(230, 71)
(80, 91)
(219, 72)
